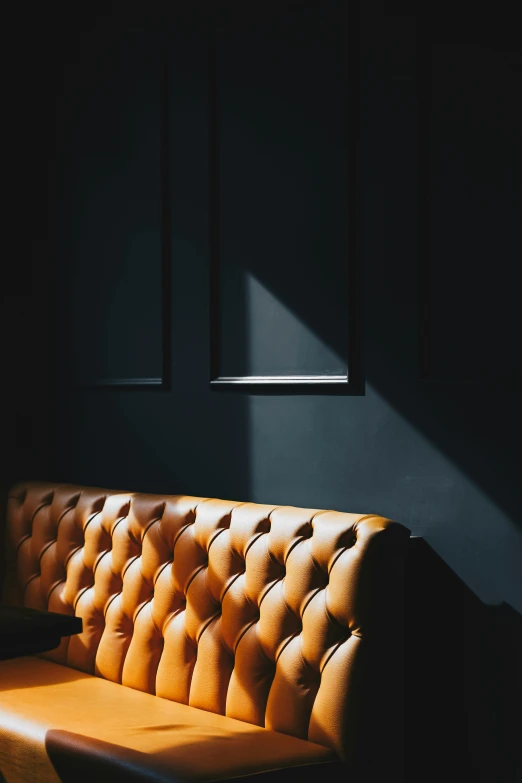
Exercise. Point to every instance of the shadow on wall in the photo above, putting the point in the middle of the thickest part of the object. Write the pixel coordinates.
(464, 678)
(134, 436)
(469, 418)
(470, 423)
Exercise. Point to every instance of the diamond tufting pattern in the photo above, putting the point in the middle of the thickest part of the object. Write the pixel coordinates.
(252, 611)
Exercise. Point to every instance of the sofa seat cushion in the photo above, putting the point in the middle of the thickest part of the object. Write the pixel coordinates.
(55, 720)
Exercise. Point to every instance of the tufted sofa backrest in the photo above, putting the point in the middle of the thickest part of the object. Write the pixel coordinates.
(258, 612)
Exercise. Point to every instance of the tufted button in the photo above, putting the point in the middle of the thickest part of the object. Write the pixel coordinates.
(332, 618)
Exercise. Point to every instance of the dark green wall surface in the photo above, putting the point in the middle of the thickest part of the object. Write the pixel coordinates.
(428, 431)
(340, 190)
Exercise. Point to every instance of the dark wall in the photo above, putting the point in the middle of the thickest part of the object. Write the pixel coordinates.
(284, 188)
(111, 281)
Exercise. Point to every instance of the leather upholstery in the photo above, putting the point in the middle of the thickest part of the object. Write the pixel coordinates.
(51, 716)
(254, 612)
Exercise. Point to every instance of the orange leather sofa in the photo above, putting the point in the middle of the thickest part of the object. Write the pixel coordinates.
(220, 639)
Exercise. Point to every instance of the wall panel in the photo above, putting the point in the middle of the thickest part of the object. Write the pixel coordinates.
(283, 128)
(114, 212)
(470, 204)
